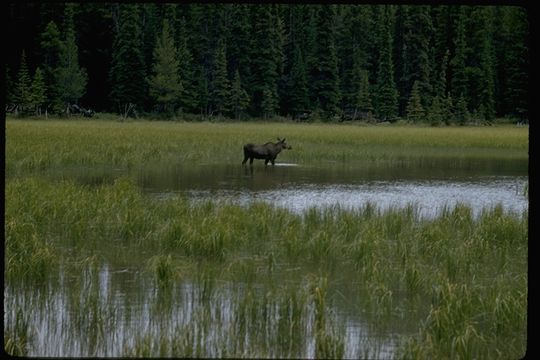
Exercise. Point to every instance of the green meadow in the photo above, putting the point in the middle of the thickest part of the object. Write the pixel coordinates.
(35, 145)
(454, 286)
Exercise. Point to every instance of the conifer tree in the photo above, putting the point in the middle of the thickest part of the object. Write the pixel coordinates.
(326, 75)
(9, 88)
(461, 113)
(415, 111)
(37, 93)
(481, 69)
(128, 72)
(298, 95)
(221, 91)
(165, 83)
(187, 100)
(264, 64)
(458, 62)
(435, 112)
(51, 48)
(363, 94)
(239, 99)
(22, 89)
(71, 79)
(386, 94)
(517, 90)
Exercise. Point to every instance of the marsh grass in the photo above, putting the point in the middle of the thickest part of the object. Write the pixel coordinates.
(470, 271)
(458, 280)
(38, 146)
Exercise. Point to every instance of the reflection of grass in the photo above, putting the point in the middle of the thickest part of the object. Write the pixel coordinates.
(471, 271)
(39, 145)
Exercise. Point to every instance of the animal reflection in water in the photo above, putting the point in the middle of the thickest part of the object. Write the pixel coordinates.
(268, 151)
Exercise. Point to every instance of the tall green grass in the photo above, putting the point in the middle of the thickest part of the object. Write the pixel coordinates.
(37, 146)
(467, 275)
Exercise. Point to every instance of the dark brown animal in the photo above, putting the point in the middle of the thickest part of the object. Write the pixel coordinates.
(268, 151)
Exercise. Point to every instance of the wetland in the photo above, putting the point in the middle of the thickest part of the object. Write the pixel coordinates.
(135, 240)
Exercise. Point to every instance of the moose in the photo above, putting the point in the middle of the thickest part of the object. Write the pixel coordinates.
(268, 151)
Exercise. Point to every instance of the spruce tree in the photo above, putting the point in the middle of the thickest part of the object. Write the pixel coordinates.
(326, 75)
(221, 91)
(386, 97)
(461, 113)
(22, 96)
(517, 90)
(416, 62)
(187, 100)
(165, 84)
(415, 111)
(363, 95)
(37, 93)
(298, 95)
(436, 112)
(51, 48)
(239, 99)
(459, 79)
(9, 88)
(481, 62)
(71, 79)
(264, 64)
(128, 72)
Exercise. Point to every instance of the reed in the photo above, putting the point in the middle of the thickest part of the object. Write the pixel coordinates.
(471, 272)
(39, 146)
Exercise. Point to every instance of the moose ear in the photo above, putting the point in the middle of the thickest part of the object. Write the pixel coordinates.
(278, 139)
(283, 140)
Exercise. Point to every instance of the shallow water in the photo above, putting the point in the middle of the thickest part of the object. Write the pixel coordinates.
(430, 187)
(112, 311)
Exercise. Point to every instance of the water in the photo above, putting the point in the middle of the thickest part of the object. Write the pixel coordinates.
(111, 311)
(296, 187)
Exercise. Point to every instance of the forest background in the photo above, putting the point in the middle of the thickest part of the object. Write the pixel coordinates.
(444, 64)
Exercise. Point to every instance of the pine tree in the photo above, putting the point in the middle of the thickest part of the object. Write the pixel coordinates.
(128, 72)
(239, 99)
(165, 84)
(22, 89)
(71, 79)
(37, 92)
(415, 111)
(221, 88)
(386, 94)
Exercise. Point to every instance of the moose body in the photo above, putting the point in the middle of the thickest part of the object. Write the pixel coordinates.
(268, 151)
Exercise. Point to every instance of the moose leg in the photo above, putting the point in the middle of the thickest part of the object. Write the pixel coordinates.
(245, 159)
(251, 160)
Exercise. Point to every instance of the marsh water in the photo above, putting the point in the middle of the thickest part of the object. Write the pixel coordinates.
(118, 310)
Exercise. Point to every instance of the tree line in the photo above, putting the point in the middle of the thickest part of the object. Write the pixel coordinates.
(435, 64)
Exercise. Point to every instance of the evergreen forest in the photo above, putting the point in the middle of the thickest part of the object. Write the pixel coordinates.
(424, 63)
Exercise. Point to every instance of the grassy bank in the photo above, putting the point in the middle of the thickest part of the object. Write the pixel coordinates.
(468, 275)
(38, 145)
